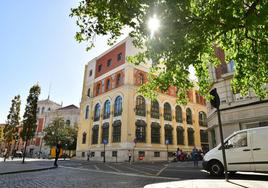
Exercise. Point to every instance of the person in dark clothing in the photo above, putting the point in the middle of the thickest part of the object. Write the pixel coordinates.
(58, 148)
(195, 156)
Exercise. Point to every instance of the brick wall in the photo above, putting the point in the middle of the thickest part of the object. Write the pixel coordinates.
(113, 56)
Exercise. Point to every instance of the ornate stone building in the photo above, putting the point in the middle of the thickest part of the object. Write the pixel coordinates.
(112, 112)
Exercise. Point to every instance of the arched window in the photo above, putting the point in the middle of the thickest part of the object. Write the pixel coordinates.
(203, 136)
(140, 106)
(118, 79)
(106, 110)
(189, 118)
(88, 92)
(105, 132)
(87, 112)
(95, 134)
(202, 119)
(140, 131)
(167, 111)
(97, 112)
(117, 131)
(48, 109)
(108, 84)
(43, 110)
(190, 136)
(38, 110)
(68, 122)
(140, 79)
(178, 114)
(98, 89)
(155, 133)
(118, 106)
(180, 136)
(168, 134)
(155, 109)
(84, 138)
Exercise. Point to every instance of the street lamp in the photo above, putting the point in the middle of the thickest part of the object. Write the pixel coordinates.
(167, 142)
(104, 143)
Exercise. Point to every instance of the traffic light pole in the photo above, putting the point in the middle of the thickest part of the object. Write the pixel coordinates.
(222, 145)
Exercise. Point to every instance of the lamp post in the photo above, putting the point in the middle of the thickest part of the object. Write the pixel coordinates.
(167, 142)
(135, 142)
(104, 143)
(215, 102)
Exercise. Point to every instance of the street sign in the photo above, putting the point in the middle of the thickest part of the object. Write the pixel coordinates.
(167, 141)
(105, 141)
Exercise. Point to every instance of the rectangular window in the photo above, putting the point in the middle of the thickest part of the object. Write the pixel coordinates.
(99, 68)
(93, 154)
(102, 154)
(155, 135)
(114, 154)
(170, 154)
(156, 154)
(95, 135)
(119, 57)
(83, 154)
(116, 133)
(109, 62)
(90, 73)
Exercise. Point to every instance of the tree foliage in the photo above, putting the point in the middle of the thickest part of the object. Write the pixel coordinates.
(29, 117)
(13, 119)
(58, 130)
(189, 30)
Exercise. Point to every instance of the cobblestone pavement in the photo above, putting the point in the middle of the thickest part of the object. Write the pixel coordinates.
(96, 174)
(71, 177)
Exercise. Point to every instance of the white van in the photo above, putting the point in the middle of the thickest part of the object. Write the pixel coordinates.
(246, 150)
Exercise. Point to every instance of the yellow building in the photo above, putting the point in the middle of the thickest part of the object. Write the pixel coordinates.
(113, 113)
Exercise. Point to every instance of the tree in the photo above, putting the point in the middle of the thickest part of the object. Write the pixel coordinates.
(57, 131)
(29, 117)
(13, 119)
(189, 32)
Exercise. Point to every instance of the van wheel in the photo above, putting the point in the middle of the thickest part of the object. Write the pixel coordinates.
(216, 168)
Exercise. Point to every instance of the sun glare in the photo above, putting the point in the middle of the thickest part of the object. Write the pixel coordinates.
(153, 24)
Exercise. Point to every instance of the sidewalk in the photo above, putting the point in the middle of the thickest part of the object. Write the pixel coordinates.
(30, 165)
(208, 183)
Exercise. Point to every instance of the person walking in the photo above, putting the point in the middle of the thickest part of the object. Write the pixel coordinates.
(129, 156)
(5, 154)
(88, 155)
(195, 156)
(58, 149)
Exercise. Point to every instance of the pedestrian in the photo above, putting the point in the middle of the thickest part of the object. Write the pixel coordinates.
(195, 156)
(58, 149)
(88, 155)
(5, 154)
(129, 156)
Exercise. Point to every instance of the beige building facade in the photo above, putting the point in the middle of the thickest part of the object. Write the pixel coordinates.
(114, 114)
(237, 112)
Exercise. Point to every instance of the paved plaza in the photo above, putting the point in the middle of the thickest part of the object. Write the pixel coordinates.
(82, 174)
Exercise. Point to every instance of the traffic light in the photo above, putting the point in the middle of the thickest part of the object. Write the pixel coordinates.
(215, 102)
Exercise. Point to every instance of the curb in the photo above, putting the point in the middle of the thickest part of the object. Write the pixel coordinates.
(25, 171)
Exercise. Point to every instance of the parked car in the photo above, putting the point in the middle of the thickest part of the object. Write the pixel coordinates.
(246, 150)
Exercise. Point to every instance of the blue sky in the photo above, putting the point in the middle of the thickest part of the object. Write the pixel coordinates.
(38, 46)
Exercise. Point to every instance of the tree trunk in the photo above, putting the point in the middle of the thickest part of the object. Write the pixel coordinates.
(24, 152)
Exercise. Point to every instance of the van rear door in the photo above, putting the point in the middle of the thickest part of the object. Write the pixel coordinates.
(238, 152)
(260, 149)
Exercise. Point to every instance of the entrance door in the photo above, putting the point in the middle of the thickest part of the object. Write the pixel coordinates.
(238, 153)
